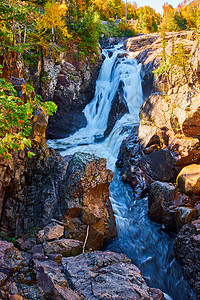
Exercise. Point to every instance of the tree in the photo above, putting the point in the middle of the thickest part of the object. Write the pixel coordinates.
(147, 19)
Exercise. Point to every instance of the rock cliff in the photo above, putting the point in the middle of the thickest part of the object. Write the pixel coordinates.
(71, 85)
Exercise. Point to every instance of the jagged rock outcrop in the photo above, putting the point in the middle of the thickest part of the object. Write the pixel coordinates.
(71, 87)
(95, 275)
(187, 252)
(87, 184)
(166, 146)
(107, 275)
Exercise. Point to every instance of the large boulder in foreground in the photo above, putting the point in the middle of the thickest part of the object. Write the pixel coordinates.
(87, 198)
(95, 275)
(107, 275)
(187, 252)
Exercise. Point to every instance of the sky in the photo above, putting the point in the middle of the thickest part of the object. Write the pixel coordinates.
(156, 4)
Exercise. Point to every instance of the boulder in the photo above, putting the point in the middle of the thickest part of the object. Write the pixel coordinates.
(87, 185)
(170, 207)
(188, 180)
(106, 275)
(187, 252)
(65, 247)
(50, 232)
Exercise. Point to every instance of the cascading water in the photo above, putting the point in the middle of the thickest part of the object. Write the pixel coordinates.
(142, 240)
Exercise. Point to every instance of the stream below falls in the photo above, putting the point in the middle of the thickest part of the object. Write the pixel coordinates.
(138, 237)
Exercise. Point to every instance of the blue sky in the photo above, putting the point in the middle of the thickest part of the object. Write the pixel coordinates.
(156, 4)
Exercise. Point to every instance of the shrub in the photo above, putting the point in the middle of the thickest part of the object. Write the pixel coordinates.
(15, 117)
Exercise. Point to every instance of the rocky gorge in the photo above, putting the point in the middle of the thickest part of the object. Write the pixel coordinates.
(161, 156)
(54, 208)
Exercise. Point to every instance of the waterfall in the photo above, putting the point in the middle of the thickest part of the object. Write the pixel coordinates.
(117, 68)
(138, 237)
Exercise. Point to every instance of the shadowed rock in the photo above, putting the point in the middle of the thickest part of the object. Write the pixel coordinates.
(187, 252)
(106, 275)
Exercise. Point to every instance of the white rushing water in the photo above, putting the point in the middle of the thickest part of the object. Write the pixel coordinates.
(115, 69)
(142, 240)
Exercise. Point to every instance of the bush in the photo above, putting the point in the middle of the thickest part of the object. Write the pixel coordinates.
(15, 117)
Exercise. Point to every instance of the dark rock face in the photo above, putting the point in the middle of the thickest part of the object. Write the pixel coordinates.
(129, 162)
(73, 88)
(30, 199)
(106, 275)
(160, 165)
(119, 108)
(187, 252)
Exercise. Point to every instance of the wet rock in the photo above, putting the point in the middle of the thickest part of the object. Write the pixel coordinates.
(65, 247)
(38, 249)
(102, 275)
(119, 108)
(188, 180)
(50, 232)
(32, 200)
(187, 252)
(55, 257)
(87, 185)
(52, 282)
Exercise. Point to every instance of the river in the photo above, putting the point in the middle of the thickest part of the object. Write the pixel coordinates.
(141, 239)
